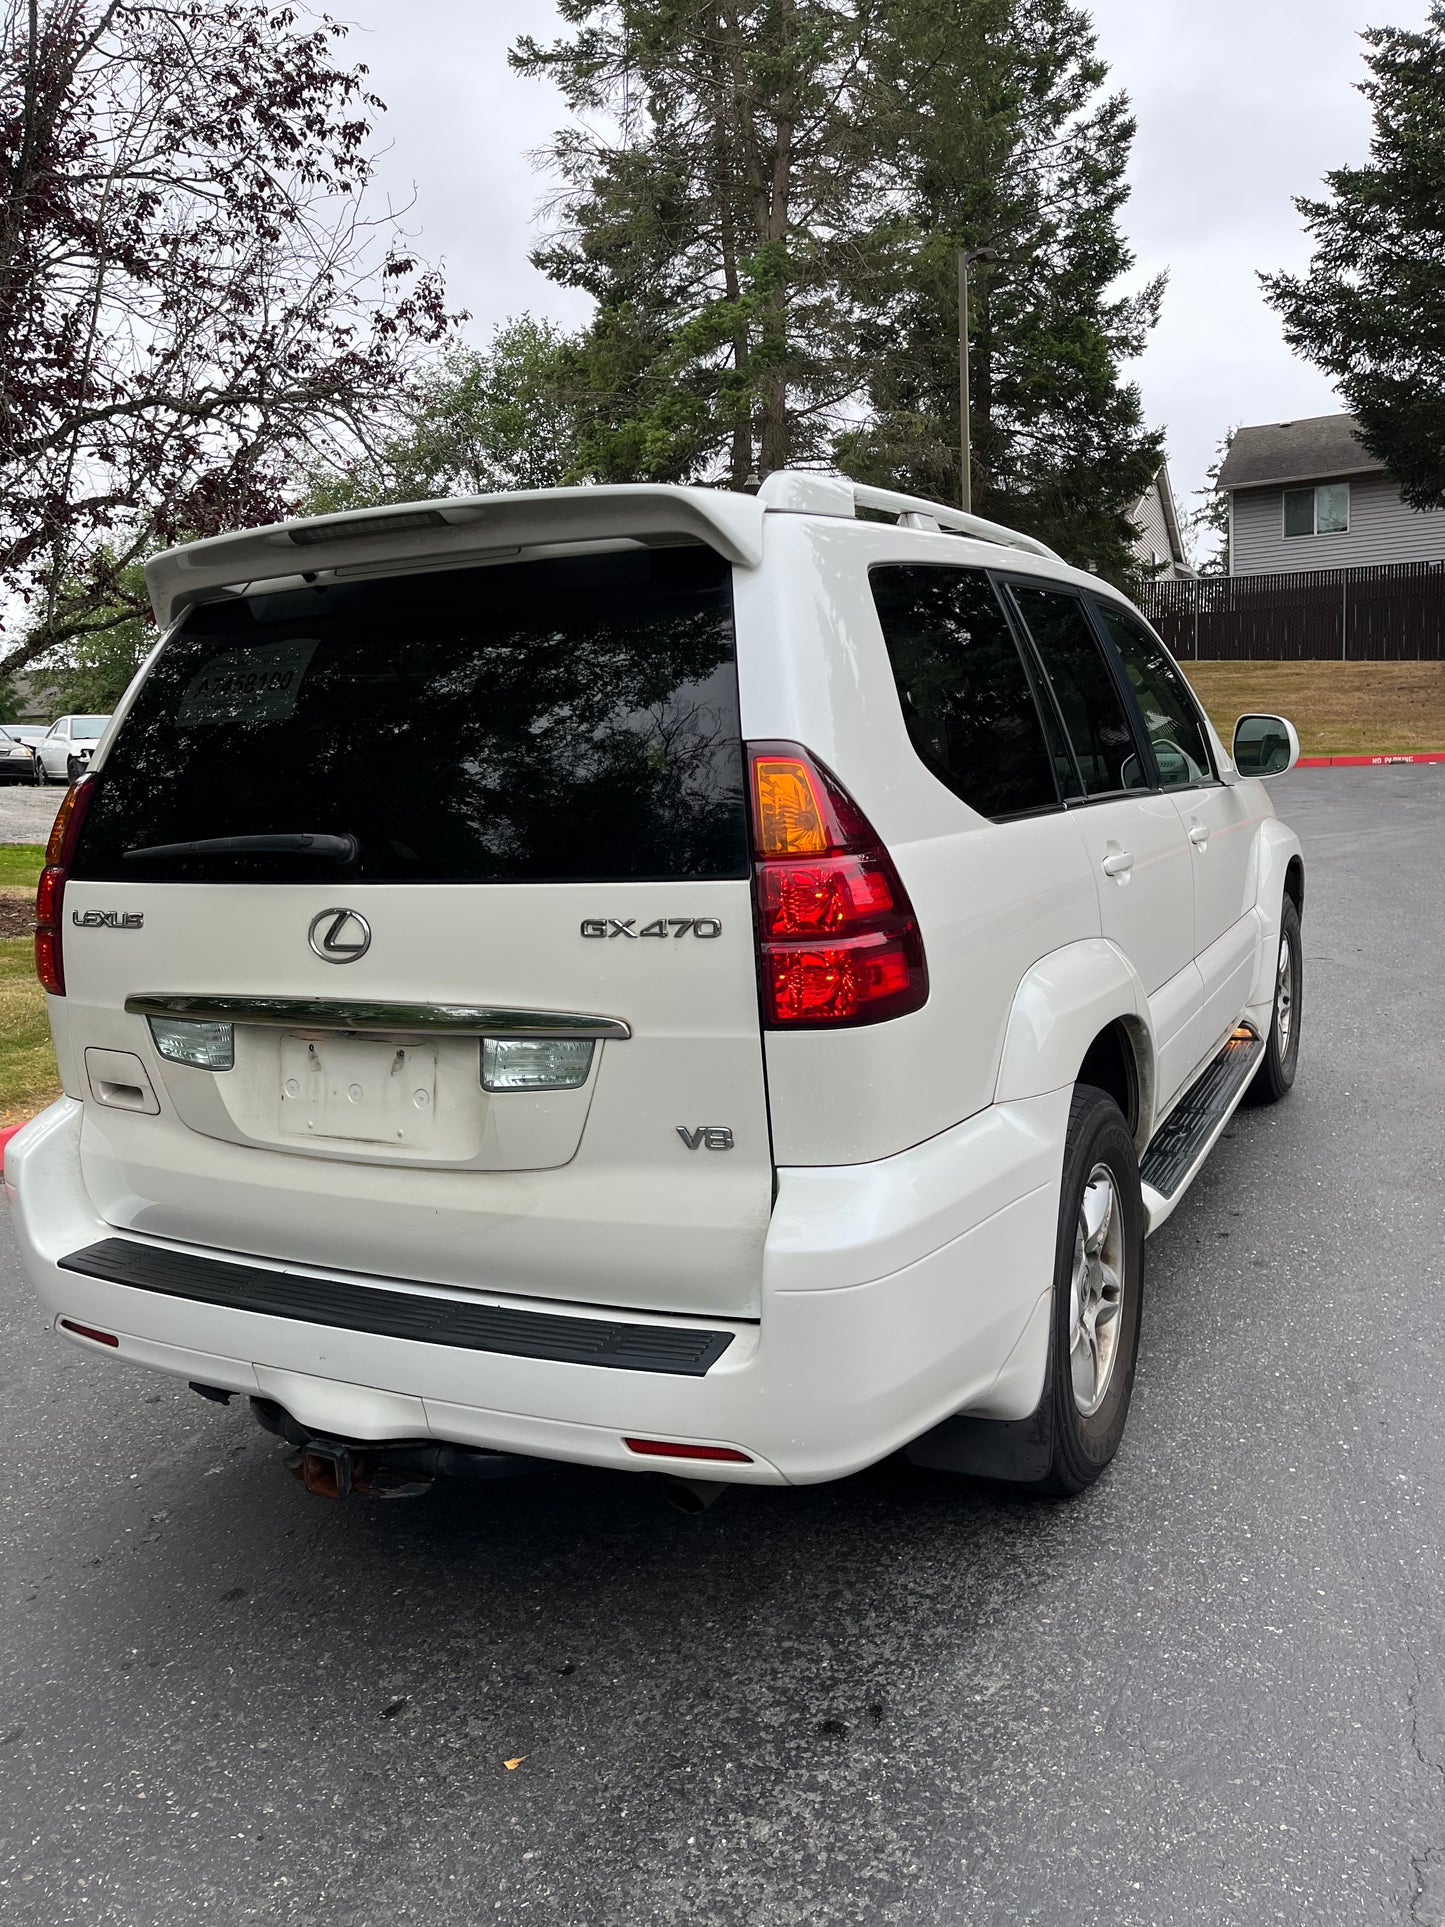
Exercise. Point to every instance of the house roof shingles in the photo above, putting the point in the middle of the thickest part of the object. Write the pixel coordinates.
(1304, 451)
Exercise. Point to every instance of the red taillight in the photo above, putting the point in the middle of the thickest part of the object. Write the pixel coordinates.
(839, 943)
(665, 1449)
(50, 896)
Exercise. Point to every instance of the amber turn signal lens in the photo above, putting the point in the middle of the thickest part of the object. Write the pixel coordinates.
(790, 811)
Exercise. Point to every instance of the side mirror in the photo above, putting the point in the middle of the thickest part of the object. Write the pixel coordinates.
(1265, 746)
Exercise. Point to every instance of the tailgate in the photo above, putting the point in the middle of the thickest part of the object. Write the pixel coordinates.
(414, 1049)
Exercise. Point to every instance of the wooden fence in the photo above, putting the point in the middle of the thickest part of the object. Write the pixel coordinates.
(1390, 614)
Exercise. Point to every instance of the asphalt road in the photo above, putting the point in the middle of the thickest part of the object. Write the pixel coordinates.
(1211, 1691)
(27, 811)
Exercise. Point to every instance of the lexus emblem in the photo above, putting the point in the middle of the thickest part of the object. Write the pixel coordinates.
(339, 936)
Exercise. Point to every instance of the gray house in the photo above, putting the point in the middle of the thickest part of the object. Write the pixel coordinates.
(1307, 495)
(1158, 542)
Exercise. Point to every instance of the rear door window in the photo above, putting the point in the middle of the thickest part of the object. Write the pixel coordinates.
(1181, 750)
(967, 700)
(1083, 685)
(574, 719)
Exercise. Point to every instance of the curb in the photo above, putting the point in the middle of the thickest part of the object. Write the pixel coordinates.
(1367, 762)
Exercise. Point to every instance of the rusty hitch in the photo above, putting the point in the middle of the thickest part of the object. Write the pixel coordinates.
(334, 1470)
(388, 1469)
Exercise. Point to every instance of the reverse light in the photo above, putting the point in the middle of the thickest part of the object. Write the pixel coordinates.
(838, 940)
(204, 1045)
(50, 895)
(535, 1063)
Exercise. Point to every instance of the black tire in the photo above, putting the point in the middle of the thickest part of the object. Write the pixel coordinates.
(41, 777)
(74, 769)
(1084, 1441)
(1275, 1077)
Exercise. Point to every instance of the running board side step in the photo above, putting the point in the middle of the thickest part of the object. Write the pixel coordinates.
(1193, 1127)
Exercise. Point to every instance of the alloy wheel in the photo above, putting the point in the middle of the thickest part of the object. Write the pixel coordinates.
(1096, 1291)
(1284, 996)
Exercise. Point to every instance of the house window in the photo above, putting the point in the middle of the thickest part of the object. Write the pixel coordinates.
(1317, 511)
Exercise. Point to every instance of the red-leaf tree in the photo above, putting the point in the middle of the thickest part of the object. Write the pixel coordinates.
(194, 307)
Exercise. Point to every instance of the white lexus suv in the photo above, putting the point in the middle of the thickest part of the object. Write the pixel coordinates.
(701, 983)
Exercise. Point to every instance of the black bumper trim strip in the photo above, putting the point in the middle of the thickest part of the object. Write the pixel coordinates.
(625, 1346)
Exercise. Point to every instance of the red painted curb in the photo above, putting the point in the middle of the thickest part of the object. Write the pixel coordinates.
(1367, 762)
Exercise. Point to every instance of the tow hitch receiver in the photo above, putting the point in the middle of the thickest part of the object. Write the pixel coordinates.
(334, 1470)
(387, 1469)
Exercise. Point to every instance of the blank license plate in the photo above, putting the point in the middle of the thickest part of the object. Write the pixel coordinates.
(358, 1089)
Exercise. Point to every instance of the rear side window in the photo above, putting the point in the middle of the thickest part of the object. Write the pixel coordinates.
(565, 720)
(1082, 682)
(967, 703)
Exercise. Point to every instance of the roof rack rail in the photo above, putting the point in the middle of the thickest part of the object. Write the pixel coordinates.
(804, 492)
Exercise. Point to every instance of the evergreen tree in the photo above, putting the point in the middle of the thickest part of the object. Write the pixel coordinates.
(1001, 140)
(769, 225)
(716, 225)
(1371, 310)
(1210, 521)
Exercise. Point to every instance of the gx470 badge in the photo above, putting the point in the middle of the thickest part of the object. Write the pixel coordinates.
(609, 927)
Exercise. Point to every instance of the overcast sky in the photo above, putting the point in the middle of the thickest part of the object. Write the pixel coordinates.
(1241, 104)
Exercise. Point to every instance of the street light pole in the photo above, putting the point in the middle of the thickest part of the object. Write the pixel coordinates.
(966, 257)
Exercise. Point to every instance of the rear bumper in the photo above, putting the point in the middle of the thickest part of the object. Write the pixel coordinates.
(893, 1295)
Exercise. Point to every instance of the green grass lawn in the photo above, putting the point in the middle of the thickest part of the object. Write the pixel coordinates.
(27, 1063)
(28, 1079)
(20, 864)
(1339, 708)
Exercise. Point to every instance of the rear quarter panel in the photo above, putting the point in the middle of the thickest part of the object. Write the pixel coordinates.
(991, 898)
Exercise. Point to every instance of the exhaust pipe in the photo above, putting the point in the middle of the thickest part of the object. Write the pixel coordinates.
(692, 1496)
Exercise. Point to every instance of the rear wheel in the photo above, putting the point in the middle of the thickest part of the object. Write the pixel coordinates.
(1276, 1074)
(1098, 1293)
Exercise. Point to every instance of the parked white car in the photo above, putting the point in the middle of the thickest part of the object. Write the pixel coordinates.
(755, 1033)
(63, 753)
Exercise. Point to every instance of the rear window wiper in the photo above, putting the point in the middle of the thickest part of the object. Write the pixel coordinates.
(342, 849)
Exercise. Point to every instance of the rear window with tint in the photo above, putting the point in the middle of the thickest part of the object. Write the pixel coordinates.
(967, 702)
(565, 720)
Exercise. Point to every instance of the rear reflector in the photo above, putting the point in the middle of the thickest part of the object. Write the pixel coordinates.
(88, 1331)
(663, 1449)
(838, 941)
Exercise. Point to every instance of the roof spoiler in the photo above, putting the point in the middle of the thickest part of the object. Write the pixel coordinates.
(453, 531)
(471, 527)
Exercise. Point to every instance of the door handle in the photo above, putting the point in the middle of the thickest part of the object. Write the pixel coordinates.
(1119, 864)
(1198, 836)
